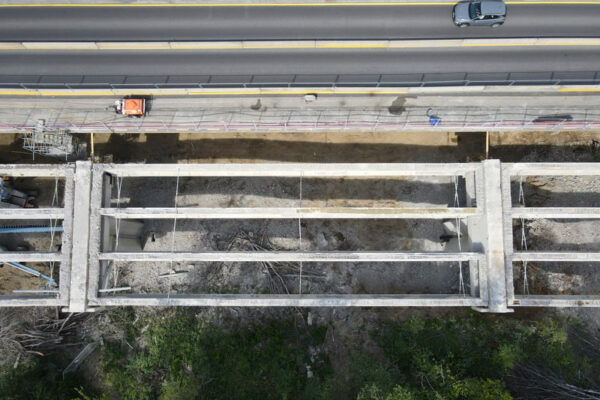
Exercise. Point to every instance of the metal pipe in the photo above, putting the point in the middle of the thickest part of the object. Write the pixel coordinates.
(31, 271)
(30, 229)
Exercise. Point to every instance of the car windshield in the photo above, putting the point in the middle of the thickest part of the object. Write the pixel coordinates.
(475, 10)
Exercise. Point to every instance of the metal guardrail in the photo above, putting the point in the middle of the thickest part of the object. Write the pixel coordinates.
(299, 81)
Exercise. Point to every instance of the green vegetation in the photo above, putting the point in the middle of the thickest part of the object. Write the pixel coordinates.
(471, 358)
(41, 379)
(185, 359)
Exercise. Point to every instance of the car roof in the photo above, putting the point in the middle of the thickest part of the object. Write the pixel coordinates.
(493, 7)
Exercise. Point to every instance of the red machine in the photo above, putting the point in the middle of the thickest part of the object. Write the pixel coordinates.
(131, 107)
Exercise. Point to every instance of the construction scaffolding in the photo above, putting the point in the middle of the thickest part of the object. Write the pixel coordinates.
(89, 252)
(49, 142)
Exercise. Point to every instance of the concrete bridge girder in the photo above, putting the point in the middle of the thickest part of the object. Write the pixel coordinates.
(84, 255)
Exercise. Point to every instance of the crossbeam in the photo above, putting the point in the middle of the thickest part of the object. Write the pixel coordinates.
(29, 256)
(289, 213)
(556, 212)
(551, 169)
(272, 300)
(557, 301)
(33, 171)
(42, 300)
(556, 256)
(289, 256)
(31, 213)
(308, 170)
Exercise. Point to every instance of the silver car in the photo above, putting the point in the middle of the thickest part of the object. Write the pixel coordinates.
(479, 13)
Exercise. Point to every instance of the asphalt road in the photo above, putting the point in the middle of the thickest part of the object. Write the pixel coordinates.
(278, 65)
(282, 23)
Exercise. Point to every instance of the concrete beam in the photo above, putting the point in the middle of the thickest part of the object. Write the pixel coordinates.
(272, 300)
(556, 256)
(289, 256)
(556, 212)
(36, 170)
(81, 231)
(552, 169)
(31, 301)
(508, 235)
(334, 170)
(64, 277)
(289, 213)
(31, 213)
(556, 301)
(29, 256)
(495, 246)
(99, 236)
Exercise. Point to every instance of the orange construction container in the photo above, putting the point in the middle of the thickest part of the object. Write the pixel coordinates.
(134, 107)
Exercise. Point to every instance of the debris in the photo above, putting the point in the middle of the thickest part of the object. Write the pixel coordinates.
(83, 354)
(172, 273)
(118, 289)
(10, 197)
(24, 268)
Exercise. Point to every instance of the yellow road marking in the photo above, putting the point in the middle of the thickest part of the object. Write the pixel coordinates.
(579, 90)
(107, 93)
(352, 46)
(529, 44)
(409, 45)
(16, 93)
(357, 4)
(110, 48)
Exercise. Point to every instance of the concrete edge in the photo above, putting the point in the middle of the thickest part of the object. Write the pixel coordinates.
(297, 44)
(564, 90)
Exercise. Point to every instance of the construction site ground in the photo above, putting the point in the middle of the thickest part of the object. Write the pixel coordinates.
(325, 147)
(348, 326)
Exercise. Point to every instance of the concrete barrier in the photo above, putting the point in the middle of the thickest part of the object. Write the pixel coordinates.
(11, 46)
(132, 46)
(299, 44)
(525, 90)
(59, 45)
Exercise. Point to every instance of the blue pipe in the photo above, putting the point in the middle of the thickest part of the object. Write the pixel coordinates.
(31, 229)
(31, 271)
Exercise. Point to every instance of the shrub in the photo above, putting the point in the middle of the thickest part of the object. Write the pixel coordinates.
(187, 359)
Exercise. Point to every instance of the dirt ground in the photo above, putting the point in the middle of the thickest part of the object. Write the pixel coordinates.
(425, 146)
(326, 235)
(47, 192)
(580, 278)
